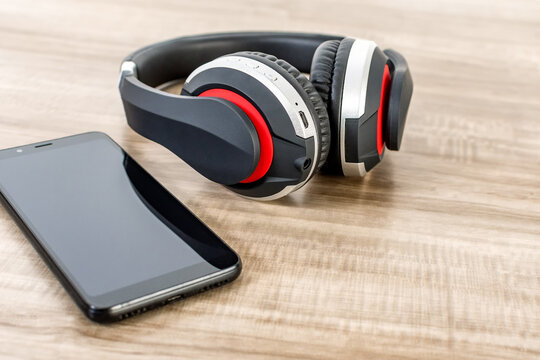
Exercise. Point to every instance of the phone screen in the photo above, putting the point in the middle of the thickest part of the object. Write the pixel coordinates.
(112, 229)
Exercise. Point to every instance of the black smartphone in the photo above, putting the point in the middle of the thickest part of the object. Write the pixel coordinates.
(117, 240)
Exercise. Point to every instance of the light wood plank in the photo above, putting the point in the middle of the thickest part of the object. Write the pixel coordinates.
(435, 254)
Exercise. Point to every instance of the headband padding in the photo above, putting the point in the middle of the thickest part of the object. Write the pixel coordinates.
(177, 58)
(322, 123)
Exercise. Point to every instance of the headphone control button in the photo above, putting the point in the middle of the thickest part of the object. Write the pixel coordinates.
(271, 77)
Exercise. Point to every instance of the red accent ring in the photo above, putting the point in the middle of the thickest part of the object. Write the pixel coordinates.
(383, 108)
(265, 138)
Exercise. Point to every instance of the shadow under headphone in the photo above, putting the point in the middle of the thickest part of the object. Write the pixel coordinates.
(253, 122)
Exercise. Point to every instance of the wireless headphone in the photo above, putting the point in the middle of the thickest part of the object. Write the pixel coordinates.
(253, 122)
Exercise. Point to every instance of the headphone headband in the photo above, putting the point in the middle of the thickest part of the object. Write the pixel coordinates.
(176, 58)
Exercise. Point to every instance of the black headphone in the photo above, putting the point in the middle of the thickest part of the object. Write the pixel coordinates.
(253, 122)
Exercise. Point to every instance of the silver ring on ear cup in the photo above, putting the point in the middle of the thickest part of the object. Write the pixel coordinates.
(291, 101)
(354, 97)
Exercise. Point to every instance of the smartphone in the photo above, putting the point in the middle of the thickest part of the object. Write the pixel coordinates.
(117, 240)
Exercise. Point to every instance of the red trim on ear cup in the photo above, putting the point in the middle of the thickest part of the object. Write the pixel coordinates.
(265, 138)
(383, 108)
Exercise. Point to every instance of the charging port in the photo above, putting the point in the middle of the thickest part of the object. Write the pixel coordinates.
(174, 298)
(304, 120)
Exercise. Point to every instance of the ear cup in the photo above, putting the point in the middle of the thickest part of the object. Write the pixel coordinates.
(322, 122)
(291, 116)
(328, 76)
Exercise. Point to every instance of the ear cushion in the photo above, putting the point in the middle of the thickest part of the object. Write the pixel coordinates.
(322, 68)
(322, 123)
(328, 76)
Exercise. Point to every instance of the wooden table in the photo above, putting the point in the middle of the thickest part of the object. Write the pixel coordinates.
(434, 255)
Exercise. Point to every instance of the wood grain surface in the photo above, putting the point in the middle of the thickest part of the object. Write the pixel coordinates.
(434, 255)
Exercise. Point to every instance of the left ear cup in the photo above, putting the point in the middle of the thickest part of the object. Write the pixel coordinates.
(291, 110)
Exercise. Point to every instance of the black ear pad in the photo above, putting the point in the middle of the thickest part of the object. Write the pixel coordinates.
(322, 123)
(322, 68)
(328, 76)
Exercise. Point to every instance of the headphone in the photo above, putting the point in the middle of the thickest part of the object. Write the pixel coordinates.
(253, 122)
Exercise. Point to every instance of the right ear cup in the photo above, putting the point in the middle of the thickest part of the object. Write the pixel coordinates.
(354, 78)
